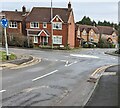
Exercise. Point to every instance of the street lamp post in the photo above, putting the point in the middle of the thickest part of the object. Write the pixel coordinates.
(51, 24)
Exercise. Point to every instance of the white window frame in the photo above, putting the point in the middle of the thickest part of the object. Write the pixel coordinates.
(44, 24)
(113, 36)
(91, 39)
(35, 39)
(32, 24)
(92, 33)
(12, 24)
(57, 25)
(57, 40)
(84, 32)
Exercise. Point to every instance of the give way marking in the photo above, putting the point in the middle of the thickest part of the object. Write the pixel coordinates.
(85, 56)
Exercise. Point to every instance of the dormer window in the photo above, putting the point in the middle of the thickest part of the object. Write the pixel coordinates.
(57, 25)
(12, 24)
(44, 24)
(34, 25)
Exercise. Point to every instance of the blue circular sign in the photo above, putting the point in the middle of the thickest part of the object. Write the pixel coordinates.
(4, 22)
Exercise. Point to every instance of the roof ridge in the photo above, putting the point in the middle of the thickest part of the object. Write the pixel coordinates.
(50, 7)
(12, 11)
(105, 26)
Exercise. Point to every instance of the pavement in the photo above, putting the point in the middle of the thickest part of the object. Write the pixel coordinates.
(106, 91)
(112, 53)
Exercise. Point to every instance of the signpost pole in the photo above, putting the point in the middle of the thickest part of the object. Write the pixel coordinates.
(51, 23)
(6, 44)
(4, 23)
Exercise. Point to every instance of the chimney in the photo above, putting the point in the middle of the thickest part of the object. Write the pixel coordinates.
(23, 9)
(69, 6)
(15, 10)
(113, 27)
(94, 25)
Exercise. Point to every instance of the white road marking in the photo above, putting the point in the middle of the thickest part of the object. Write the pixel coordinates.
(66, 56)
(45, 75)
(63, 60)
(2, 91)
(71, 64)
(66, 63)
(85, 56)
(0, 68)
(45, 58)
(109, 73)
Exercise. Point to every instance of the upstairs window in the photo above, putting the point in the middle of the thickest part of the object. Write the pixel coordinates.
(57, 26)
(12, 24)
(92, 33)
(44, 24)
(84, 32)
(34, 25)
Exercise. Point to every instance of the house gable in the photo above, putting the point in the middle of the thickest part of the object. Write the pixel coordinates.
(92, 32)
(43, 33)
(57, 19)
(114, 34)
(84, 32)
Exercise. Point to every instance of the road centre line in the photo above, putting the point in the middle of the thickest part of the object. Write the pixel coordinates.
(2, 91)
(45, 75)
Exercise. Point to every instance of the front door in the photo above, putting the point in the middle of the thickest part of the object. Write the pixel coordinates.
(44, 40)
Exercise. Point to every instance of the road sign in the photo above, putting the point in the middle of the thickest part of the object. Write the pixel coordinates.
(4, 22)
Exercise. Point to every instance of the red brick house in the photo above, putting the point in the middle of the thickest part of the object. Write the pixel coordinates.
(86, 33)
(108, 33)
(16, 21)
(60, 30)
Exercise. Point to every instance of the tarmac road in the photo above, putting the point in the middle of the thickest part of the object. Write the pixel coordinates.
(60, 79)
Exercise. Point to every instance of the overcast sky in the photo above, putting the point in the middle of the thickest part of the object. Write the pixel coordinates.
(95, 9)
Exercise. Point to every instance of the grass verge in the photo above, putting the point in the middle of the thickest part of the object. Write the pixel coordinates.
(3, 56)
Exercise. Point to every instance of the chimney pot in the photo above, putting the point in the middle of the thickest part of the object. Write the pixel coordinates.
(69, 6)
(23, 9)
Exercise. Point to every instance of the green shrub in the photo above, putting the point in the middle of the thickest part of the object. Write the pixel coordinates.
(19, 41)
(105, 44)
(85, 45)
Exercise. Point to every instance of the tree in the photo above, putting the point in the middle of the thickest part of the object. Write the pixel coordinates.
(85, 21)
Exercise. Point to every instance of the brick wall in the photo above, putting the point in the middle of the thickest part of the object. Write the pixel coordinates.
(15, 30)
(62, 32)
(71, 31)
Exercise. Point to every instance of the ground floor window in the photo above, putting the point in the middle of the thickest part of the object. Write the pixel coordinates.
(57, 39)
(35, 39)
